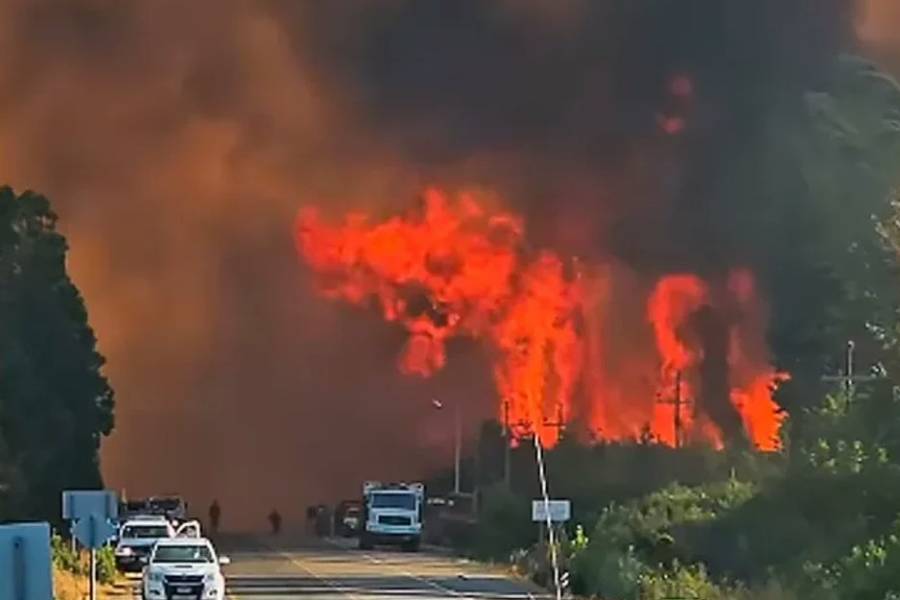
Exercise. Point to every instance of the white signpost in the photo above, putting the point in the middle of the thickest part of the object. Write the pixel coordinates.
(560, 511)
(25, 572)
(93, 514)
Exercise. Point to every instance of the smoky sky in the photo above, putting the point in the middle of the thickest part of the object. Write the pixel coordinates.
(177, 141)
(453, 80)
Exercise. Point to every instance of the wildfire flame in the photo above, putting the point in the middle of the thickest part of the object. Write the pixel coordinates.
(454, 268)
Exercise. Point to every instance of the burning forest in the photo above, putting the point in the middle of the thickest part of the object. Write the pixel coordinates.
(638, 226)
(692, 366)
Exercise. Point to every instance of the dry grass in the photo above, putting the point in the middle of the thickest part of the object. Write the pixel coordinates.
(67, 586)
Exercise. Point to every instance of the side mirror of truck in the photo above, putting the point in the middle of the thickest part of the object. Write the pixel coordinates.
(224, 560)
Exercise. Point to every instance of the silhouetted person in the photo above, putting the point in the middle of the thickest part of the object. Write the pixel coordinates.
(322, 521)
(275, 520)
(311, 519)
(215, 513)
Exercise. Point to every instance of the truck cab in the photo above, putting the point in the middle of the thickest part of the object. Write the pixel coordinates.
(392, 515)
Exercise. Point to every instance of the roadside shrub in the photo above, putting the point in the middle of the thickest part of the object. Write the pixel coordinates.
(63, 557)
(106, 565)
(688, 582)
(77, 562)
(869, 570)
(607, 572)
(635, 548)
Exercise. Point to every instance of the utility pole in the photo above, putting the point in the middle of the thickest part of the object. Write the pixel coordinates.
(457, 441)
(677, 417)
(457, 451)
(507, 445)
(559, 424)
(677, 403)
(551, 537)
(848, 378)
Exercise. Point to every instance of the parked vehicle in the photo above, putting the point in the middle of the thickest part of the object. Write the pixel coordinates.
(138, 535)
(348, 518)
(183, 567)
(392, 514)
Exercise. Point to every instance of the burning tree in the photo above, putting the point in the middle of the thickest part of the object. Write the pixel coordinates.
(455, 268)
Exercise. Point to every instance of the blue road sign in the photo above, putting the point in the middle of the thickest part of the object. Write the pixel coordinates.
(25, 561)
(93, 531)
(78, 504)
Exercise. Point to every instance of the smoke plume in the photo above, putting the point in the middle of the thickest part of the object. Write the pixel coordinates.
(177, 141)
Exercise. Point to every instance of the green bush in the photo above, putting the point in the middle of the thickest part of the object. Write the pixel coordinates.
(607, 572)
(869, 570)
(687, 582)
(636, 549)
(106, 565)
(64, 558)
(78, 563)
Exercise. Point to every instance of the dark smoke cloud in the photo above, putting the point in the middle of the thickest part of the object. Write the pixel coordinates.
(567, 96)
(178, 139)
(177, 142)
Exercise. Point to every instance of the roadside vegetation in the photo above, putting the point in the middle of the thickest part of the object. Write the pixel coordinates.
(71, 569)
(820, 519)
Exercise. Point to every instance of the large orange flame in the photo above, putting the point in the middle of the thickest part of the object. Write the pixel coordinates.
(454, 268)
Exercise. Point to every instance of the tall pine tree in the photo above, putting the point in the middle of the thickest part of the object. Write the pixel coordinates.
(55, 404)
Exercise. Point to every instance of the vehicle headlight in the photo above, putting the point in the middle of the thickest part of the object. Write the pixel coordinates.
(124, 551)
(210, 578)
(155, 576)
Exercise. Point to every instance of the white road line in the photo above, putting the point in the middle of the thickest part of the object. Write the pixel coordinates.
(424, 580)
(388, 566)
(404, 573)
(334, 586)
(525, 594)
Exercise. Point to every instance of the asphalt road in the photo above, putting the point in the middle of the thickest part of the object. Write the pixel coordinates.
(266, 568)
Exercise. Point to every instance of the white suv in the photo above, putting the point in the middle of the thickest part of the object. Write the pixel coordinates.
(184, 567)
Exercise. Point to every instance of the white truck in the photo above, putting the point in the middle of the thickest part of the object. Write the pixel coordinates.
(183, 567)
(392, 514)
(138, 535)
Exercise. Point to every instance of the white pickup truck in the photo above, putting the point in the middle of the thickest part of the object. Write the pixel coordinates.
(184, 567)
(138, 536)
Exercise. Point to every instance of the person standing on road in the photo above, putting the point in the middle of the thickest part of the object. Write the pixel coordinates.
(215, 513)
(275, 521)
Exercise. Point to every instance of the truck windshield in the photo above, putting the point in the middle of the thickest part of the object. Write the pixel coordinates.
(183, 554)
(402, 501)
(166, 503)
(145, 531)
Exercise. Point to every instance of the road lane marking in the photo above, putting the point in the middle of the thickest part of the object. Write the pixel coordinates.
(404, 573)
(525, 594)
(332, 585)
